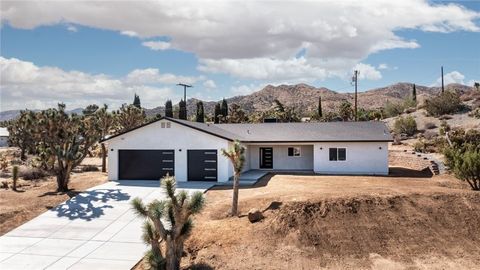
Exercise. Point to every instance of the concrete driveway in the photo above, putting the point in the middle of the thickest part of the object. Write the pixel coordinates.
(94, 230)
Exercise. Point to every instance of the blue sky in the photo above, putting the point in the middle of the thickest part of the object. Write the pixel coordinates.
(53, 53)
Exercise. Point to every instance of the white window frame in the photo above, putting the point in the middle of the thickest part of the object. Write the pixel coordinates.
(337, 160)
(295, 147)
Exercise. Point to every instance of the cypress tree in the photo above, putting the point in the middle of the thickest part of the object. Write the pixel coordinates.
(136, 101)
(414, 93)
(224, 108)
(320, 112)
(182, 113)
(168, 109)
(217, 113)
(200, 114)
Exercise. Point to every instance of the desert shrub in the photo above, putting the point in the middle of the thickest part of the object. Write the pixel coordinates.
(445, 103)
(393, 109)
(463, 156)
(90, 168)
(406, 125)
(420, 146)
(430, 125)
(3, 163)
(31, 173)
(475, 113)
(444, 128)
(429, 134)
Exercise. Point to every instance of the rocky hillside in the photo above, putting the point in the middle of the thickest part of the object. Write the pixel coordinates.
(305, 97)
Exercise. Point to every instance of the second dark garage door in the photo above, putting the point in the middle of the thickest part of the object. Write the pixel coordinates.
(202, 165)
(145, 164)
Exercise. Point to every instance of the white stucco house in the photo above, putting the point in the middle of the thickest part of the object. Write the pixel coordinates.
(3, 137)
(191, 151)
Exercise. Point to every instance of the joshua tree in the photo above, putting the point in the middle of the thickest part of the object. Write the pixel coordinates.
(68, 138)
(15, 177)
(168, 109)
(200, 117)
(129, 117)
(346, 111)
(476, 85)
(236, 155)
(136, 101)
(106, 121)
(182, 113)
(176, 211)
(217, 113)
(237, 115)
(21, 132)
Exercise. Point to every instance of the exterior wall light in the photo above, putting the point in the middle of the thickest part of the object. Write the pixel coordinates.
(380, 148)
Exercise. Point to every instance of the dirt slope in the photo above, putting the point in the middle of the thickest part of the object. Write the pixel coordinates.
(408, 221)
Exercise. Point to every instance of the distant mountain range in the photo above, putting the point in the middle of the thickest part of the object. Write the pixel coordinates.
(304, 98)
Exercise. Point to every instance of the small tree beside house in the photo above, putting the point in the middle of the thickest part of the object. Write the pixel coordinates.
(168, 109)
(167, 238)
(236, 155)
(200, 116)
(106, 122)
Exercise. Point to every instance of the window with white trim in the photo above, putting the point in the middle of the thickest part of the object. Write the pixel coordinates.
(294, 151)
(337, 154)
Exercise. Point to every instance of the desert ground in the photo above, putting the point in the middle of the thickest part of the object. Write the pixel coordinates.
(410, 219)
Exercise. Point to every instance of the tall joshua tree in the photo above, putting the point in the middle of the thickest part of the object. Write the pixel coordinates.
(414, 94)
(182, 113)
(68, 138)
(106, 122)
(168, 109)
(200, 117)
(128, 117)
(21, 132)
(236, 155)
(176, 211)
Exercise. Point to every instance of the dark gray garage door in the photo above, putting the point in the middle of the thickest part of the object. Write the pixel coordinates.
(202, 165)
(145, 164)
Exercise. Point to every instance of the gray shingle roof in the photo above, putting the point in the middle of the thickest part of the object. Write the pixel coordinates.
(297, 132)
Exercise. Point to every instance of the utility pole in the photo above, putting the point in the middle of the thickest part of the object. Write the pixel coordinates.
(443, 87)
(355, 80)
(184, 90)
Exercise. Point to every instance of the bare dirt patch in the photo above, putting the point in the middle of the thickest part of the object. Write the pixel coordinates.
(347, 222)
(36, 197)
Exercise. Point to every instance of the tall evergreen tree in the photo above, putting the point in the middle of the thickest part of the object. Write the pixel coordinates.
(168, 109)
(136, 101)
(224, 108)
(320, 112)
(217, 113)
(414, 93)
(200, 117)
(182, 113)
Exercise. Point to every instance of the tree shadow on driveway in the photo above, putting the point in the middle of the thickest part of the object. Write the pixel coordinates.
(89, 205)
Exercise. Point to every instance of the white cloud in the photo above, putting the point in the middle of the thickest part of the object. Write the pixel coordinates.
(129, 33)
(367, 72)
(382, 66)
(72, 28)
(153, 75)
(246, 89)
(228, 36)
(265, 68)
(451, 77)
(209, 84)
(157, 45)
(25, 85)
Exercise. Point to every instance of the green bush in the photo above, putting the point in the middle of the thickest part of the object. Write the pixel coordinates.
(90, 168)
(406, 125)
(445, 103)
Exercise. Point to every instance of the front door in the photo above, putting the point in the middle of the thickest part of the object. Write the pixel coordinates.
(266, 157)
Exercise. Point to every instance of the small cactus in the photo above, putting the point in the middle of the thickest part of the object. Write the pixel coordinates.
(15, 177)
